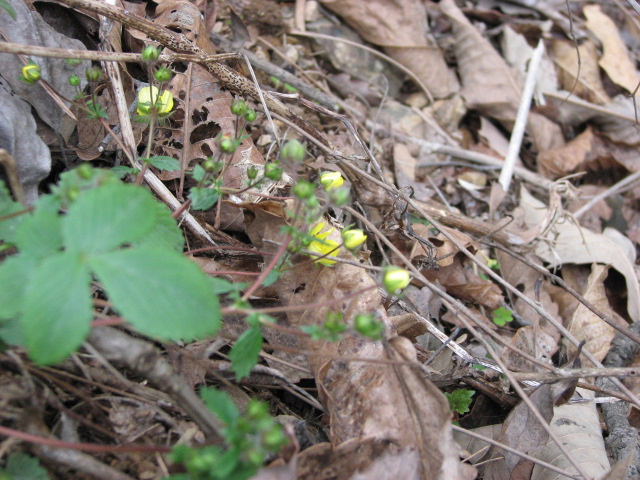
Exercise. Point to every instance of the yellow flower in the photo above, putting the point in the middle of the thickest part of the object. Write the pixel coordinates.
(163, 101)
(31, 73)
(331, 180)
(395, 278)
(321, 245)
(353, 238)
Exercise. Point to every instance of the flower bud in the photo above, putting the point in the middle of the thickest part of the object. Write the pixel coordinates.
(150, 53)
(303, 189)
(163, 74)
(74, 80)
(339, 196)
(331, 180)
(293, 150)
(250, 115)
(365, 324)
(353, 238)
(72, 62)
(31, 73)
(93, 74)
(273, 171)
(395, 278)
(238, 107)
(227, 143)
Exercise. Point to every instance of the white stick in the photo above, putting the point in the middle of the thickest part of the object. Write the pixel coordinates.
(521, 119)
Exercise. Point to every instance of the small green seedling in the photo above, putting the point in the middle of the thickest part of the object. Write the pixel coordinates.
(501, 316)
(460, 400)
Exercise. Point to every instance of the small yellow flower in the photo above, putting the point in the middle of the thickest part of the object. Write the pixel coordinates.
(331, 180)
(321, 245)
(163, 101)
(353, 238)
(31, 73)
(395, 278)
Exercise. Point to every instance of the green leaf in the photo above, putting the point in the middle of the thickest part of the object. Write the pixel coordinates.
(220, 404)
(501, 316)
(21, 466)
(198, 173)
(460, 400)
(244, 354)
(162, 162)
(222, 286)
(40, 233)
(202, 198)
(165, 233)
(57, 308)
(107, 217)
(15, 275)
(121, 171)
(9, 226)
(161, 292)
(4, 4)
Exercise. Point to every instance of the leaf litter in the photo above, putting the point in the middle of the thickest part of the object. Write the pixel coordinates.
(380, 409)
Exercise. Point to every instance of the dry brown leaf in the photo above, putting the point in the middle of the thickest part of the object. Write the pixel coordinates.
(522, 431)
(533, 341)
(615, 58)
(488, 83)
(405, 170)
(401, 27)
(586, 325)
(584, 151)
(589, 85)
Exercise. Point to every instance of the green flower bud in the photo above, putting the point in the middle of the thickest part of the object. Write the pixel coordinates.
(31, 73)
(227, 143)
(303, 189)
(238, 107)
(395, 278)
(84, 171)
(365, 324)
(340, 196)
(273, 171)
(72, 62)
(250, 115)
(210, 166)
(163, 74)
(294, 151)
(150, 53)
(74, 80)
(94, 74)
(353, 238)
(331, 180)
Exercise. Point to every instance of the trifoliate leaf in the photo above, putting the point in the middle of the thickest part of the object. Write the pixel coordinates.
(40, 233)
(159, 291)
(501, 316)
(15, 275)
(202, 198)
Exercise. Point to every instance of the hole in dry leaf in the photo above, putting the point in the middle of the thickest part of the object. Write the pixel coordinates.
(206, 150)
(300, 288)
(204, 132)
(199, 115)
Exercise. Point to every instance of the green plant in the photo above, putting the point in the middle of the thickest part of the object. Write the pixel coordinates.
(21, 466)
(94, 226)
(248, 438)
(501, 316)
(460, 400)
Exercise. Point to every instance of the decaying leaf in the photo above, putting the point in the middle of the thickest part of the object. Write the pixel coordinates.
(578, 428)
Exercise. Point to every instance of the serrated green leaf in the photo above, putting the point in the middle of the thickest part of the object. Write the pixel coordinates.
(107, 217)
(57, 310)
(244, 354)
(220, 404)
(21, 466)
(40, 233)
(159, 291)
(198, 173)
(9, 226)
(460, 400)
(202, 198)
(15, 275)
(163, 162)
(121, 171)
(165, 233)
